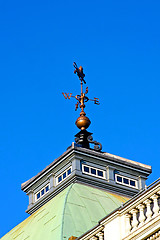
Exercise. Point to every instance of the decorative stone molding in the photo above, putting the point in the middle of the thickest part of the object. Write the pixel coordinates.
(100, 235)
(142, 213)
(148, 212)
(134, 221)
(155, 207)
(94, 238)
(127, 223)
(154, 236)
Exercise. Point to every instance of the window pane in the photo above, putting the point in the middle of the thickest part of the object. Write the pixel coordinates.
(38, 195)
(100, 173)
(132, 183)
(86, 169)
(69, 171)
(93, 171)
(59, 178)
(47, 188)
(119, 179)
(42, 192)
(125, 180)
(64, 175)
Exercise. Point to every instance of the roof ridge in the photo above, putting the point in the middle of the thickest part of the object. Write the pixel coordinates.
(65, 201)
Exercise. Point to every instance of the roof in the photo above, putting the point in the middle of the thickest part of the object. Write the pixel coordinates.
(71, 213)
(74, 149)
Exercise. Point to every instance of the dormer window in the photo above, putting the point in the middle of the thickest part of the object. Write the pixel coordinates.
(93, 171)
(42, 192)
(125, 181)
(64, 175)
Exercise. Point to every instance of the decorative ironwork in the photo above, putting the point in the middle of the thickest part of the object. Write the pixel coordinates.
(83, 137)
(97, 145)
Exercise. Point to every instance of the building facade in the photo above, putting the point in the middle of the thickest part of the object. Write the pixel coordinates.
(137, 219)
(84, 188)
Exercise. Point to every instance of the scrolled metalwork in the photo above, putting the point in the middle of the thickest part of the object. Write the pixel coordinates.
(97, 145)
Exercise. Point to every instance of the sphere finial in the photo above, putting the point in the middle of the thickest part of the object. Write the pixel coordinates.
(82, 122)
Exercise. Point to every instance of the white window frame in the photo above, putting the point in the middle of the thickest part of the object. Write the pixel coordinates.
(61, 175)
(91, 174)
(44, 188)
(122, 183)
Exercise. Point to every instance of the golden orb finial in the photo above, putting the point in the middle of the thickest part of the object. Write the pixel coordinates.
(82, 122)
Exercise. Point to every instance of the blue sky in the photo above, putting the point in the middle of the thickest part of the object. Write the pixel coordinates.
(117, 43)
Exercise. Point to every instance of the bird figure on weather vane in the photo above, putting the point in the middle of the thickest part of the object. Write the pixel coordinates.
(79, 72)
(83, 137)
(81, 98)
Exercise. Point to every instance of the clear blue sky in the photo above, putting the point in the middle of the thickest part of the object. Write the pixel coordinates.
(117, 43)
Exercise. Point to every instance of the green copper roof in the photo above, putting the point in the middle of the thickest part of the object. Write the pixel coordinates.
(71, 213)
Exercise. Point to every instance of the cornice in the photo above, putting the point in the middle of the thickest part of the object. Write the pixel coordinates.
(101, 156)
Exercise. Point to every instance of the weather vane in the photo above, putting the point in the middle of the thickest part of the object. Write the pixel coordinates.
(83, 137)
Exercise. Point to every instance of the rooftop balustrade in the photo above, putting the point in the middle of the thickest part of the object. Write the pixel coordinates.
(146, 210)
